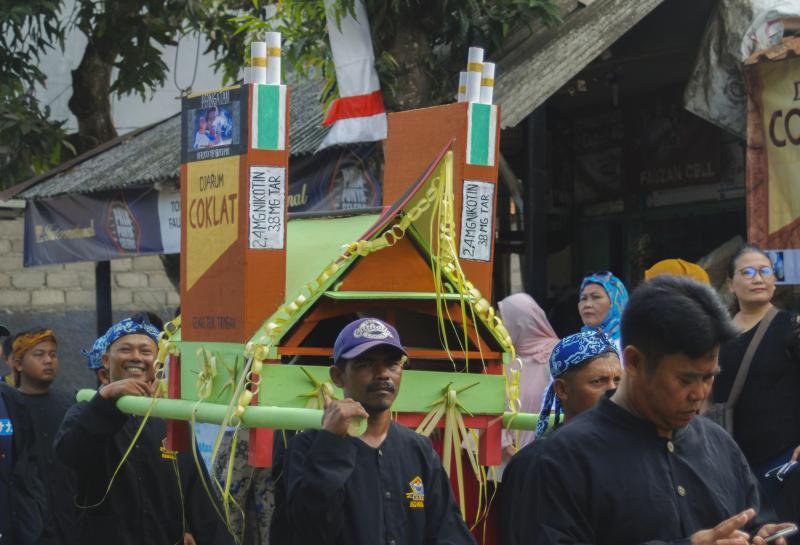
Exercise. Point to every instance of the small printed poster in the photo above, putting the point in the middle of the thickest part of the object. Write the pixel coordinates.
(477, 228)
(786, 264)
(214, 124)
(267, 208)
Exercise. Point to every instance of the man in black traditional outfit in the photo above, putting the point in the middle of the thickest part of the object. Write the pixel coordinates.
(156, 497)
(640, 467)
(34, 361)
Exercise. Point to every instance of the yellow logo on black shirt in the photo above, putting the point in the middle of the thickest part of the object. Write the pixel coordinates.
(417, 495)
(167, 454)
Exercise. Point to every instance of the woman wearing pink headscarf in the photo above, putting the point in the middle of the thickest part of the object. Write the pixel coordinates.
(533, 339)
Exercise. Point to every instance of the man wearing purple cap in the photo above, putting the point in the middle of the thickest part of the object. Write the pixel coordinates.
(387, 486)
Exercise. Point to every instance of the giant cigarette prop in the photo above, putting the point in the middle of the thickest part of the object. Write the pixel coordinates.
(474, 74)
(258, 63)
(273, 58)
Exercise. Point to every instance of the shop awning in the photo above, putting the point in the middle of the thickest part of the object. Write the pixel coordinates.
(539, 60)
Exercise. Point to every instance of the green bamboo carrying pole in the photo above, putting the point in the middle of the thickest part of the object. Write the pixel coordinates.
(279, 418)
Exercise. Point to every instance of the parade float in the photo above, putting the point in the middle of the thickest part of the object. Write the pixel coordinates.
(264, 294)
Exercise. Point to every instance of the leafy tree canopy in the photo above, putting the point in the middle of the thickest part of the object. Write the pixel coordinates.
(420, 45)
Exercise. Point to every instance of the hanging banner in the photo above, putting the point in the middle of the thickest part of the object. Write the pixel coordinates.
(773, 146)
(349, 178)
(93, 227)
(169, 217)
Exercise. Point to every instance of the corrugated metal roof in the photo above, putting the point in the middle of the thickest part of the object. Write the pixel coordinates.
(538, 61)
(152, 154)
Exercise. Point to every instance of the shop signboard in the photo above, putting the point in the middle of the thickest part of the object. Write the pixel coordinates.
(773, 146)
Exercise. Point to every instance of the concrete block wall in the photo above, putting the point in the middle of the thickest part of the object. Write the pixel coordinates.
(138, 283)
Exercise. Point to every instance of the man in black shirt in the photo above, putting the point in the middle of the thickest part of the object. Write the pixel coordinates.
(640, 468)
(35, 364)
(156, 497)
(385, 487)
(584, 367)
(22, 497)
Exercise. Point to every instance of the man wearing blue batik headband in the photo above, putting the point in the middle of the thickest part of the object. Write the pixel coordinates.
(157, 496)
(584, 367)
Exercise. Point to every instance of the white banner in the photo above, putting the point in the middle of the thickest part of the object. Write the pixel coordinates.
(477, 213)
(169, 218)
(267, 210)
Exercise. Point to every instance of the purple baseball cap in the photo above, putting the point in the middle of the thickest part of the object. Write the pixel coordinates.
(359, 336)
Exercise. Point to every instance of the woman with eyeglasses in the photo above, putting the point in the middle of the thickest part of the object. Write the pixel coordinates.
(766, 418)
(601, 301)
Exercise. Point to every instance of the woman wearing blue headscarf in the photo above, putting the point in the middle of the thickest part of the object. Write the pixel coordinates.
(602, 298)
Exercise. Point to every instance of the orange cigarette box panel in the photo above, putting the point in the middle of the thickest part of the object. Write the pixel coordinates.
(234, 190)
(474, 130)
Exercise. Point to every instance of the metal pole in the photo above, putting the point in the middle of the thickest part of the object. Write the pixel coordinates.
(102, 291)
(535, 210)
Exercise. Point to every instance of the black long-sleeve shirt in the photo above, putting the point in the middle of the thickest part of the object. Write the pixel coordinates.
(342, 491)
(144, 504)
(23, 504)
(608, 479)
(46, 412)
(515, 519)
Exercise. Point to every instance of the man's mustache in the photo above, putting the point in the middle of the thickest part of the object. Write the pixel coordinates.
(381, 386)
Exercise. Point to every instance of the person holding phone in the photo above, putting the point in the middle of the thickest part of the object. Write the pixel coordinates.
(640, 468)
(766, 413)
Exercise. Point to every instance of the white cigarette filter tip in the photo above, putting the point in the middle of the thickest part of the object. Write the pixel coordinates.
(475, 55)
(258, 50)
(273, 41)
(488, 73)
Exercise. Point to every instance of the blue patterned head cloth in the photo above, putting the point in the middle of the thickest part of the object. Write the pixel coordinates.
(128, 326)
(570, 352)
(618, 295)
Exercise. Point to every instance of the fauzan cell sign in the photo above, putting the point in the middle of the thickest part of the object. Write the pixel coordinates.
(773, 161)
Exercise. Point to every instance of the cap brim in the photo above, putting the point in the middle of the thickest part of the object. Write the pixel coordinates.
(361, 348)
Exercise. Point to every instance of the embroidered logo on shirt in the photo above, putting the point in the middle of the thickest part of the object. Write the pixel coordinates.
(167, 454)
(417, 495)
(372, 329)
(6, 427)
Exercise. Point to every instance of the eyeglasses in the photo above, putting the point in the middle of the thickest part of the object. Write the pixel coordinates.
(751, 272)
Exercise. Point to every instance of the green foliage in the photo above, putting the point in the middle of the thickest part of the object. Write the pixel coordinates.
(450, 27)
(127, 34)
(29, 142)
(132, 34)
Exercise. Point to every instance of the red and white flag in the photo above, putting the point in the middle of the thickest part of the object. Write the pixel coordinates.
(358, 115)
